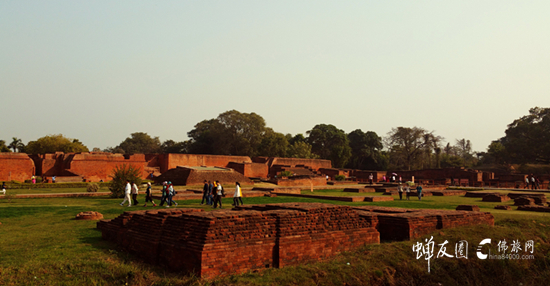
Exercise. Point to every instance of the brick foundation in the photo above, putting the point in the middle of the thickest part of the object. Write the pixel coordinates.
(496, 198)
(253, 237)
(235, 241)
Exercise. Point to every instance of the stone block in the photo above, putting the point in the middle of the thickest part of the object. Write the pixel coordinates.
(472, 208)
(495, 198)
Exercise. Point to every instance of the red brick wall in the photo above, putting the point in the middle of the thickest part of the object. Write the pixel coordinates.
(102, 165)
(16, 167)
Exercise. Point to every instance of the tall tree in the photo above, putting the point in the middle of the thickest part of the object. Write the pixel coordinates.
(366, 150)
(231, 133)
(273, 144)
(171, 146)
(17, 144)
(140, 143)
(3, 147)
(410, 145)
(301, 149)
(527, 139)
(55, 143)
(331, 143)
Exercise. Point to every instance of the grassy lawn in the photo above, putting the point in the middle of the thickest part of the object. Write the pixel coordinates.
(42, 244)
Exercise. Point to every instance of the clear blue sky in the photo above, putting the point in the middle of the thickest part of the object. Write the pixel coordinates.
(101, 70)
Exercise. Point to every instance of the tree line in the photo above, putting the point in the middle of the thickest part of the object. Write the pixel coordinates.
(403, 148)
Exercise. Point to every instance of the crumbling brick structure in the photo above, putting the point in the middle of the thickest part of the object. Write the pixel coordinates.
(252, 237)
(16, 167)
(496, 198)
(197, 175)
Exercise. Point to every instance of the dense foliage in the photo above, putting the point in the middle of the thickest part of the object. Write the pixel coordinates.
(119, 176)
(55, 143)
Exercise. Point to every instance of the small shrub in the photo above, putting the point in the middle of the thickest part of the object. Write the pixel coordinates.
(339, 177)
(92, 188)
(285, 174)
(121, 173)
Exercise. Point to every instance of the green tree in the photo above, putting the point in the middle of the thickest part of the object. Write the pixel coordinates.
(231, 133)
(3, 147)
(301, 149)
(527, 139)
(55, 143)
(410, 147)
(366, 150)
(170, 146)
(140, 143)
(17, 145)
(330, 143)
(120, 174)
(208, 138)
(273, 144)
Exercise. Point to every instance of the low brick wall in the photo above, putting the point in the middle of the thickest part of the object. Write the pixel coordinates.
(406, 224)
(224, 242)
(255, 237)
(496, 198)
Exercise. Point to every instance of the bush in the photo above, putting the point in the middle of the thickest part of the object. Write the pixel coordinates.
(121, 173)
(92, 188)
(339, 177)
(285, 174)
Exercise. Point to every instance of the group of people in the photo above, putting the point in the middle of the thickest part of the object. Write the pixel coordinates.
(212, 193)
(393, 178)
(408, 191)
(532, 181)
(132, 190)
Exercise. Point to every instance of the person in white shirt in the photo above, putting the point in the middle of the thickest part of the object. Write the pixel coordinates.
(238, 195)
(127, 191)
(219, 194)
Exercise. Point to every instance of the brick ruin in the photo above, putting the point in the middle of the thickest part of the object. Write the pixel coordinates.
(253, 237)
(96, 166)
(16, 167)
(197, 175)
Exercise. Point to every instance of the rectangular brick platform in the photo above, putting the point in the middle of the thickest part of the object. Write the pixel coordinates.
(406, 224)
(224, 242)
(254, 237)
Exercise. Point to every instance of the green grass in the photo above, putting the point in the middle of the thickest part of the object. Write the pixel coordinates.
(42, 244)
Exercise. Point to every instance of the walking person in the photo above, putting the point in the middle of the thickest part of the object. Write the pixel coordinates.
(400, 191)
(533, 187)
(238, 195)
(127, 191)
(408, 192)
(526, 182)
(218, 195)
(205, 193)
(370, 178)
(163, 191)
(135, 193)
(169, 194)
(148, 196)
(419, 192)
